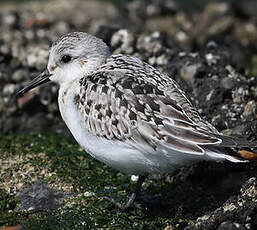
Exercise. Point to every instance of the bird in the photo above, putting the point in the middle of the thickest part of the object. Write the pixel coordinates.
(127, 114)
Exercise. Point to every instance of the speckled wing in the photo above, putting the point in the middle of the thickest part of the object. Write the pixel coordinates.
(128, 100)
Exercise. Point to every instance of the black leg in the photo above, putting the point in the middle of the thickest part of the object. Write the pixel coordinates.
(131, 198)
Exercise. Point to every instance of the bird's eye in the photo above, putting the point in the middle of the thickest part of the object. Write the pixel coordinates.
(66, 58)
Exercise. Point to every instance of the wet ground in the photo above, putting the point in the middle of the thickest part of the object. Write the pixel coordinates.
(210, 52)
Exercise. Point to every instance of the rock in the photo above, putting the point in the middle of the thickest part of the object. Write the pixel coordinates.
(228, 225)
(39, 197)
(12, 19)
(169, 228)
(122, 42)
(250, 111)
(8, 93)
(62, 27)
(9, 89)
(211, 45)
(243, 207)
(247, 129)
(246, 33)
(239, 95)
(228, 83)
(224, 24)
(37, 57)
(19, 75)
(46, 96)
(150, 43)
(211, 59)
(188, 72)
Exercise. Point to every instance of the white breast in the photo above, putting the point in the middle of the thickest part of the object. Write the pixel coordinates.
(117, 154)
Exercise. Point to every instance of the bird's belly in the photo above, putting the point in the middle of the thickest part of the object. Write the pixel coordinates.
(116, 154)
(123, 156)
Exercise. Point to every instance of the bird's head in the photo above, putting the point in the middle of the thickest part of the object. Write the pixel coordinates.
(71, 57)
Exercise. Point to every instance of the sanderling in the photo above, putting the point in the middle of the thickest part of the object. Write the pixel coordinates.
(126, 113)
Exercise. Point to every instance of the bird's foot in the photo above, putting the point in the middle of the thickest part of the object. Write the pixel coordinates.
(122, 207)
(131, 198)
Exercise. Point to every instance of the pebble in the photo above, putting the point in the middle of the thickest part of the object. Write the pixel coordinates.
(250, 111)
(150, 43)
(9, 89)
(39, 197)
(228, 83)
(228, 225)
(19, 75)
(124, 40)
(211, 45)
(37, 57)
(188, 72)
(211, 59)
(134, 178)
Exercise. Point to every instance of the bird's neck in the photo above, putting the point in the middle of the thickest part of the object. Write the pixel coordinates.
(66, 97)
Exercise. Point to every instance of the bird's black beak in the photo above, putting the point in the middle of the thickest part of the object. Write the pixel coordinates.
(39, 80)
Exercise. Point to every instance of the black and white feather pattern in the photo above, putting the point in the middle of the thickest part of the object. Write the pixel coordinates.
(128, 100)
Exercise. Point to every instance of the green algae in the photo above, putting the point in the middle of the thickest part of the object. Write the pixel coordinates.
(66, 165)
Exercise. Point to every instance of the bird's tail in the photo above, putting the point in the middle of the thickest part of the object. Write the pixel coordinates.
(233, 149)
(234, 142)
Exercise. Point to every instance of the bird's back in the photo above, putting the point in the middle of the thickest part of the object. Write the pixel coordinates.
(134, 80)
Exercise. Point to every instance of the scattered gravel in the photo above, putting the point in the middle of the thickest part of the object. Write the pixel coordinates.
(211, 54)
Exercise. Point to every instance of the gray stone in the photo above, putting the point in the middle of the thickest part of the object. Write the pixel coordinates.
(250, 111)
(228, 225)
(19, 75)
(228, 83)
(39, 197)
